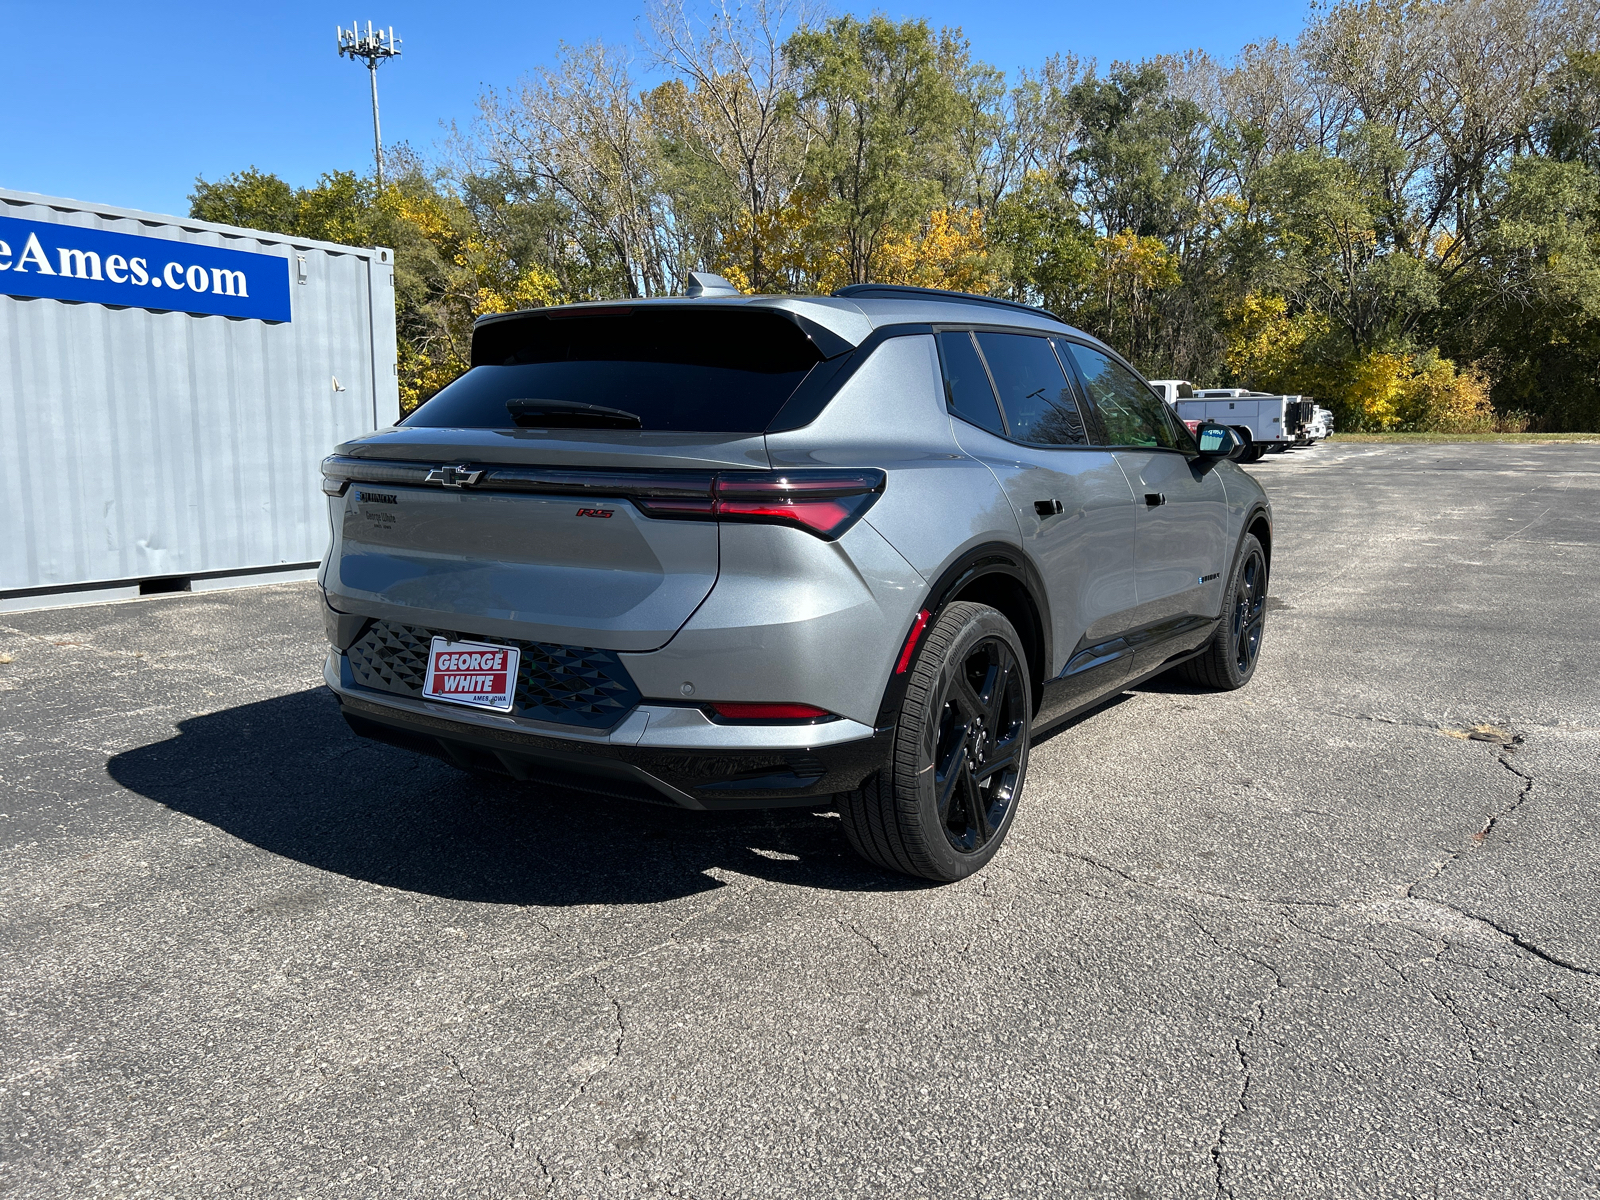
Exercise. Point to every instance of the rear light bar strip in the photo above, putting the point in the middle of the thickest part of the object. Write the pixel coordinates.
(824, 501)
(494, 478)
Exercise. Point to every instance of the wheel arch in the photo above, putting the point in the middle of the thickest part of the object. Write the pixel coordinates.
(1258, 521)
(1003, 577)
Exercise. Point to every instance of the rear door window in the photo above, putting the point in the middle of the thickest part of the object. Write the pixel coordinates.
(713, 370)
(1131, 413)
(1034, 391)
(966, 383)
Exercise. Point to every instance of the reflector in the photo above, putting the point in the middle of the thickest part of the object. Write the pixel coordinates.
(742, 711)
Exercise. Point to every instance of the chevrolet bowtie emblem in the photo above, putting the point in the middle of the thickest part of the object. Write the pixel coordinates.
(454, 476)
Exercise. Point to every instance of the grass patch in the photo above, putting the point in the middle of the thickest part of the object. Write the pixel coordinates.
(1432, 438)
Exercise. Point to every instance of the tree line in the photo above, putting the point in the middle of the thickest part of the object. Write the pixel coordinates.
(1399, 213)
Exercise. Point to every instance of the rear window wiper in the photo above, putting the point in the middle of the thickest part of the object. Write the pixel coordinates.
(569, 414)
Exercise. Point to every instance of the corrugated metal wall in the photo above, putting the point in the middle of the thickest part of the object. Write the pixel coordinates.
(136, 444)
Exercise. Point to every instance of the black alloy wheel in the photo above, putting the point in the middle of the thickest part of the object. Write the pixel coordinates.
(1230, 657)
(977, 757)
(942, 807)
(1249, 613)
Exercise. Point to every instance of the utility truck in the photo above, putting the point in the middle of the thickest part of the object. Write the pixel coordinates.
(1267, 424)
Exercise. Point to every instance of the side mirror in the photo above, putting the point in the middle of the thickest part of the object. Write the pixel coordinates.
(1218, 441)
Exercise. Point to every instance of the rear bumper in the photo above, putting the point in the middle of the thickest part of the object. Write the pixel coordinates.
(658, 753)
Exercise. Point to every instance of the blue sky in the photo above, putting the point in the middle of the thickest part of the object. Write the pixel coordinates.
(122, 104)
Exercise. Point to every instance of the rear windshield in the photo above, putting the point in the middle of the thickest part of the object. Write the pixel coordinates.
(715, 370)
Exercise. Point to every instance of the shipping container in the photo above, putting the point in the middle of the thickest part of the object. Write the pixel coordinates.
(168, 388)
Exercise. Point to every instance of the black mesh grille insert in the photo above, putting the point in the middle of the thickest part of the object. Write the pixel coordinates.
(570, 685)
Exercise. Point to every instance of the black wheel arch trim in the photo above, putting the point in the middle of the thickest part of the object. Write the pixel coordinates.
(1259, 508)
(989, 558)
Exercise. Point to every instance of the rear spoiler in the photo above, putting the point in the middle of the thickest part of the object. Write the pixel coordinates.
(834, 326)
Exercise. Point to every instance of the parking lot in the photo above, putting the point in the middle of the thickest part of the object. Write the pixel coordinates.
(1332, 935)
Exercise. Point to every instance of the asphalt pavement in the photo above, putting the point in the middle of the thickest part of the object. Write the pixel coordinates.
(1332, 935)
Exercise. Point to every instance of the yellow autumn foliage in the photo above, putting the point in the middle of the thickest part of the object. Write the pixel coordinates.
(1439, 398)
(1378, 386)
(1418, 392)
(792, 244)
(949, 251)
(481, 279)
(1266, 347)
(421, 375)
(1135, 266)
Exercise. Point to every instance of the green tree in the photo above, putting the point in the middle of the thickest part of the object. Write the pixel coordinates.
(881, 104)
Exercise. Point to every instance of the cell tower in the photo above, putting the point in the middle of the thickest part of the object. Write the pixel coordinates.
(374, 46)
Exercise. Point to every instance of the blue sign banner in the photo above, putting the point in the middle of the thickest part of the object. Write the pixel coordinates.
(96, 266)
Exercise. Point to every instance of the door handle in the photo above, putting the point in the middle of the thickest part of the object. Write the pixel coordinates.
(1047, 508)
(1154, 499)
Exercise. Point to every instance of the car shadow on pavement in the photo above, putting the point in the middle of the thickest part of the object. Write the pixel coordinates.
(1173, 684)
(287, 775)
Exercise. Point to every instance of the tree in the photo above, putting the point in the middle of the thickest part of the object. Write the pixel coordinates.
(881, 108)
(1396, 212)
(733, 147)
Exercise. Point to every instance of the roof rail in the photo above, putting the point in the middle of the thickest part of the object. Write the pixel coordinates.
(897, 291)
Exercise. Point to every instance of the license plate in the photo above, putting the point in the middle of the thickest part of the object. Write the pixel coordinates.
(475, 673)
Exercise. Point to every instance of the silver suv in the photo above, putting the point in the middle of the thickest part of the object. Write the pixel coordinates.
(735, 552)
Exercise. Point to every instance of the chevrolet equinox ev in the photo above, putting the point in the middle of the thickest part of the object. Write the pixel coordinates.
(850, 551)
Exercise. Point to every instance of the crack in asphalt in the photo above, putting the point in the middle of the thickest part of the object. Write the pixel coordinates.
(1411, 892)
(1247, 1067)
(1157, 886)
(1477, 839)
(1447, 1002)
(622, 1025)
(1433, 726)
(1359, 906)
(1510, 935)
(1247, 1061)
(471, 1098)
(1493, 819)
(471, 1095)
(865, 937)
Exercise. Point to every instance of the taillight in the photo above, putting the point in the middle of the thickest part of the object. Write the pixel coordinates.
(741, 711)
(821, 501)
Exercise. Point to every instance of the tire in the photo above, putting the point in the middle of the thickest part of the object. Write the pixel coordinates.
(1252, 449)
(948, 797)
(1229, 660)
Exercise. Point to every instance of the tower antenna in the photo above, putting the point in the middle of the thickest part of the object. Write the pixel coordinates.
(374, 46)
